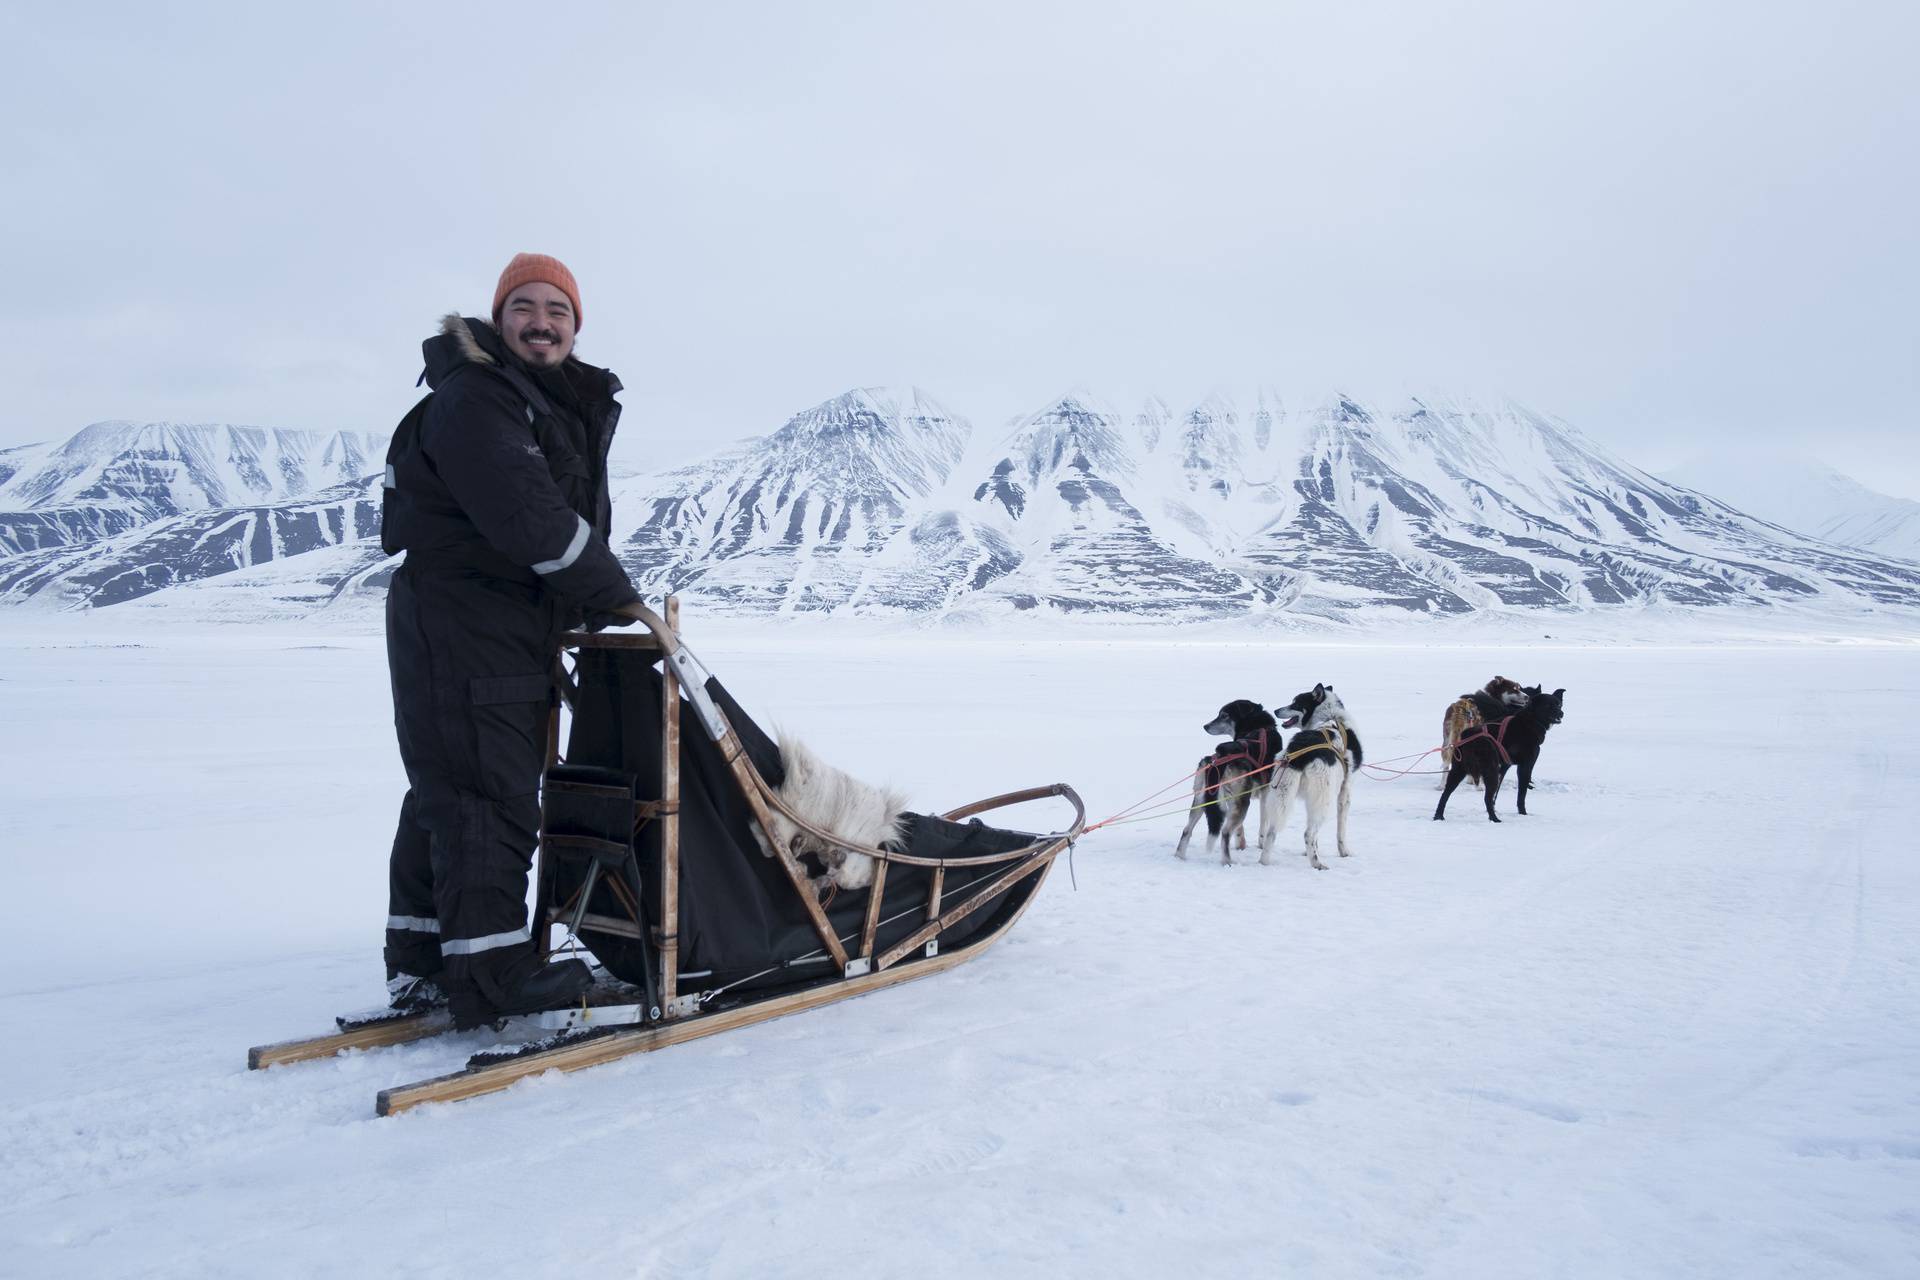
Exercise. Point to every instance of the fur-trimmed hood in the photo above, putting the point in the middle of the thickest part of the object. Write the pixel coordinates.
(462, 340)
(462, 330)
(465, 340)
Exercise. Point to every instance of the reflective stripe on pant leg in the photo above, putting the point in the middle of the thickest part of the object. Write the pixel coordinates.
(493, 941)
(413, 926)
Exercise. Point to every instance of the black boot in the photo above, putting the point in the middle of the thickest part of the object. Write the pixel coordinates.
(526, 986)
(409, 993)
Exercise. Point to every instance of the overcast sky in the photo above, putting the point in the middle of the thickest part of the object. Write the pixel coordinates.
(1684, 227)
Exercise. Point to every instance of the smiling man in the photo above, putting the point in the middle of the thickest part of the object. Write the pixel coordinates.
(496, 489)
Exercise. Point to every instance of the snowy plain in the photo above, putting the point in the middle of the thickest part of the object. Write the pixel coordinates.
(1663, 1027)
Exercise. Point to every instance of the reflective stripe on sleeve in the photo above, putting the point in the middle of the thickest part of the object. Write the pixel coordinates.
(572, 552)
(388, 481)
(414, 924)
(472, 946)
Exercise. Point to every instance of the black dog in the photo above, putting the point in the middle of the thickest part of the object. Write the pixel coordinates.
(1228, 779)
(1512, 735)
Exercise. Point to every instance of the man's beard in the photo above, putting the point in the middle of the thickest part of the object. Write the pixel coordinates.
(547, 358)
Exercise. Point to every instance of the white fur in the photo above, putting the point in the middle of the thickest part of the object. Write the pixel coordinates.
(833, 801)
(1318, 783)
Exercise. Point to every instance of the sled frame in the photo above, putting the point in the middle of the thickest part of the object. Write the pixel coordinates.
(676, 1018)
(661, 635)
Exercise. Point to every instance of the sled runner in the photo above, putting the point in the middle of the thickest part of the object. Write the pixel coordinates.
(648, 856)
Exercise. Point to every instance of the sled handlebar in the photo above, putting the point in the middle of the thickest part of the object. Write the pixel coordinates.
(693, 675)
(653, 622)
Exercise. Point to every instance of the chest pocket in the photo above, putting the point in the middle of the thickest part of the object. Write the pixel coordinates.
(564, 462)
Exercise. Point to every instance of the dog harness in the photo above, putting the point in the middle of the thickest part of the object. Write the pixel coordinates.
(1496, 730)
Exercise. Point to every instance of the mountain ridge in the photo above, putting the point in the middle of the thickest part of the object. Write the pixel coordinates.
(883, 501)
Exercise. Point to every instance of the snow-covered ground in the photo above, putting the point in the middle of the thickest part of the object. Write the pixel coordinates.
(1665, 1026)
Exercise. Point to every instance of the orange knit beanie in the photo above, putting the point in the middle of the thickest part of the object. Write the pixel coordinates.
(526, 268)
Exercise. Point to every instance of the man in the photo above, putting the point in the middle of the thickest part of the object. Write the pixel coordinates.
(497, 492)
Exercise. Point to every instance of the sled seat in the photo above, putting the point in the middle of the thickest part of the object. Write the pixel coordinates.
(589, 818)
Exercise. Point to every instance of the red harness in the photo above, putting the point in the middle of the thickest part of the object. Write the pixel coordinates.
(1495, 730)
(1259, 759)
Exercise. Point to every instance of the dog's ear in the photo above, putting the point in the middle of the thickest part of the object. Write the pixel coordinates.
(1319, 691)
(1558, 694)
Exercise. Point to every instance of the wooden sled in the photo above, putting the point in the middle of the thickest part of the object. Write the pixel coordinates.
(642, 857)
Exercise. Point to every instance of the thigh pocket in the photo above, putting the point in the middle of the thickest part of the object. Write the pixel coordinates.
(509, 719)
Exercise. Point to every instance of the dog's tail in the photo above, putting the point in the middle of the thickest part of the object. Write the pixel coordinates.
(1212, 777)
(1285, 787)
(1353, 748)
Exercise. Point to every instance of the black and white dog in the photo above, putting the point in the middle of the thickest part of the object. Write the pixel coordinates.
(1513, 739)
(1227, 780)
(1319, 762)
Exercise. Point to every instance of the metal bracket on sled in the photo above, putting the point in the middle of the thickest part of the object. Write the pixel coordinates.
(860, 967)
(933, 948)
(573, 1019)
(693, 683)
(684, 1006)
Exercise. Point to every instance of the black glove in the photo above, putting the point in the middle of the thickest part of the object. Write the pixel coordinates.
(600, 620)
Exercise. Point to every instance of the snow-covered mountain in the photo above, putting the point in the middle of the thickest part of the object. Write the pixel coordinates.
(1439, 506)
(121, 509)
(1064, 495)
(1808, 496)
(115, 476)
(817, 516)
(194, 545)
(883, 502)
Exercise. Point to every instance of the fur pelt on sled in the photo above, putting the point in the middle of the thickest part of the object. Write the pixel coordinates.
(833, 800)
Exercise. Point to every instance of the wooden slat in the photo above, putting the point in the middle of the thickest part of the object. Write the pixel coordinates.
(609, 640)
(750, 784)
(474, 1082)
(975, 900)
(669, 820)
(393, 1031)
(875, 893)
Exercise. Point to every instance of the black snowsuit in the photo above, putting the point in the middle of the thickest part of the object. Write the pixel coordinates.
(496, 488)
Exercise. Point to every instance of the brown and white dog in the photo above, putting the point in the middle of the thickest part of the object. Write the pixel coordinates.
(834, 801)
(1471, 710)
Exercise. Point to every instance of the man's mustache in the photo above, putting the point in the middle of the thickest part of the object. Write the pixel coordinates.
(528, 335)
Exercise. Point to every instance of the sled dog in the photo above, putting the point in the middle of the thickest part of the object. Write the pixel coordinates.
(1471, 710)
(1227, 781)
(1514, 738)
(1319, 763)
(836, 802)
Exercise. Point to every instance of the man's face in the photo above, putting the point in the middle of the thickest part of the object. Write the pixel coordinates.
(537, 322)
